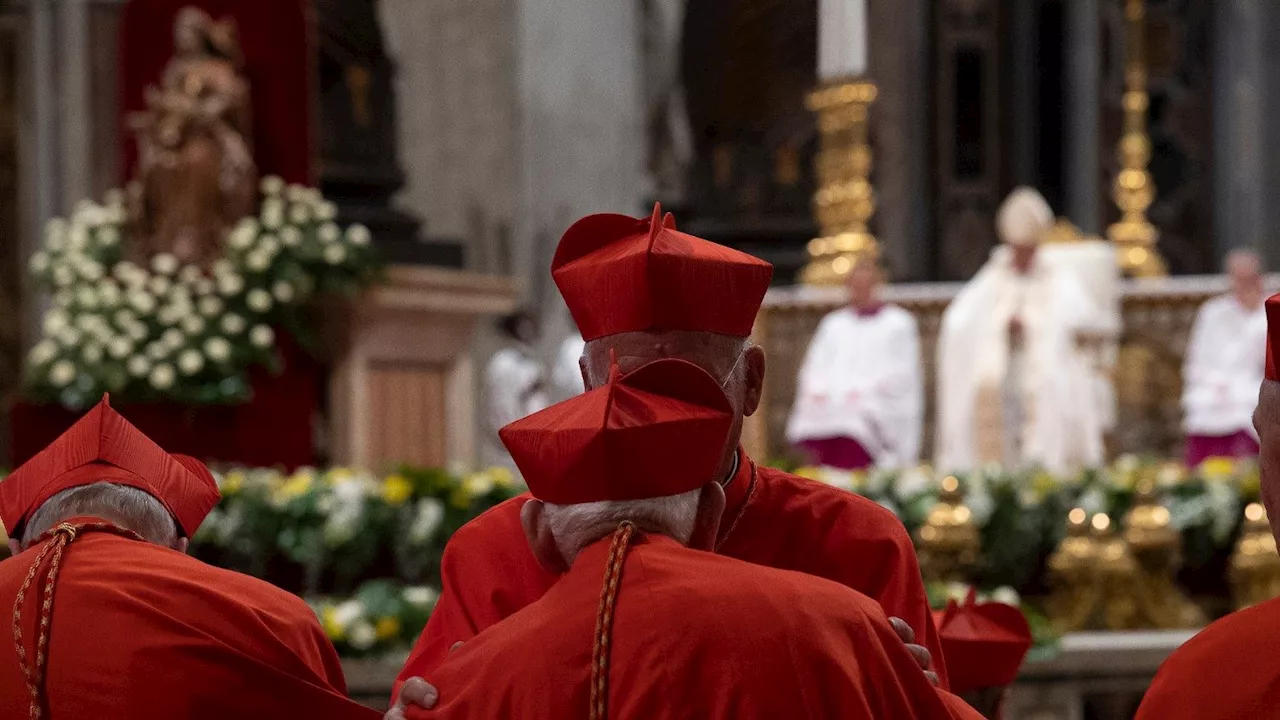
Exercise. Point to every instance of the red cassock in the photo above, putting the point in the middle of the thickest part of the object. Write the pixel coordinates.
(688, 642)
(772, 518)
(142, 631)
(1227, 671)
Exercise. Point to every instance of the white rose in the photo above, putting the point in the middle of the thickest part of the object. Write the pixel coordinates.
(421, 596)
(54, 321)
(218, 349)
(90, 270)
(77, 236)
(63, 275)
(257, 262)
(189, 274)
(330, 233)
(123, 319)
(39, 262)
(210, 306)
(159, 285)
(55, 229)
(157, 351)
(64, 298)
(230, 284)
(262, 336)
(62, 373)
(272, 214)
(69, 337)
(193, 324)
(283, 291)
(92, 353)
(120, 347)
(191, 362)
(165, 264)
(108, 236)
(204, 286)
(335, 254)
(223, 267)
(124, 271)
(233, 324)
(258, 300)
(138, 366)
(113, 198)
(142, 301)
(299, 214)
(42, 352)
(359, 235)
(270, 246)
(162, 377)
(173, 339)
(87, 298)
(168, 316)
(362, 636)
(109, 291)
(290, 236)
(272, 185)
(242, 237)
(296, 192)
(326, 211)
(137, 332)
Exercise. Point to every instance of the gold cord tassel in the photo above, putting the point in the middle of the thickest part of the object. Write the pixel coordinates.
(604, 621)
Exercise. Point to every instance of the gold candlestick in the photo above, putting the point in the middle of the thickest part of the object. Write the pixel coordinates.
(845, 200)
(1134, 190)
(949, 544)
(1255, 566)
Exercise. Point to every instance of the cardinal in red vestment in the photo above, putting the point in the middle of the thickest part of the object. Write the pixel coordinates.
(645, 622)
(112, 620)
(641, 290)
(1229, 669)
(986, 644)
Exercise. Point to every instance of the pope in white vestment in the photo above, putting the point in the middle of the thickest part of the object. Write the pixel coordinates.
(1224, 367)
(859, 395)
(1014, 387)
(514, 386)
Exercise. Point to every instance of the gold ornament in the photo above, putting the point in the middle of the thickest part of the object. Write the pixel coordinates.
(948, 540)
(1255, 566)
(845, 199)
(1157, 548)
(1089, 575)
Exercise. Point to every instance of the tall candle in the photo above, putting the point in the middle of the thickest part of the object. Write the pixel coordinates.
(842, 38)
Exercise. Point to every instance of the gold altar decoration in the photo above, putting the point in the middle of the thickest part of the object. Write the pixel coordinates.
(1157, 547)
(1076, 574)
(845, 199)
(196, 173)
(1255, 566)
(949, 544)
(1063, 231)
(1134, 189)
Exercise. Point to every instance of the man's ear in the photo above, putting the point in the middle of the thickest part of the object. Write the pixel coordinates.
(706, 523)
(538, 532)
(181, 545)
(753, 379)
(15, 547)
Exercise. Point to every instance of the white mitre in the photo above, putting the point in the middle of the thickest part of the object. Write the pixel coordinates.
(1024, 217)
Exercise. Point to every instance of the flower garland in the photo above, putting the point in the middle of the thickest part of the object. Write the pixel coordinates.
(183, 333)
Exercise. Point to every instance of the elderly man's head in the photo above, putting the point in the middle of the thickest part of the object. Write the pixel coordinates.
(737, 363)
(127, 507)
(1244, 270)
(1266, 419)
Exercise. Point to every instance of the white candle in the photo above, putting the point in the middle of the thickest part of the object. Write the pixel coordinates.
(842, 38)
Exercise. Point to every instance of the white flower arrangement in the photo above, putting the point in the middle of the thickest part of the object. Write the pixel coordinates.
(163, 330)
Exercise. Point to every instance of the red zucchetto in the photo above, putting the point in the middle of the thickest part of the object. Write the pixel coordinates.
(657, 431)
(105, 447)
(622, 274)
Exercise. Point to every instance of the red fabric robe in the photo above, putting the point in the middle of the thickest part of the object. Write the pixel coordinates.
(1227, 671)
(142, 631)
(778, 520)
(695, 635)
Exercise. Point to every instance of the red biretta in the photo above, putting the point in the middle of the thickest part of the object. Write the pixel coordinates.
(621, 276)
(1229, 670)
(985, 644)
(112, 626)
(643, 627)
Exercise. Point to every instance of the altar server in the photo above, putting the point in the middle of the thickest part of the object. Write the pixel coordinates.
(860, 393)
(640, 290)
(646, 622)
(514, 384)
(1014, 386)
(1229, 671)
(112, 620)
(1223, 366)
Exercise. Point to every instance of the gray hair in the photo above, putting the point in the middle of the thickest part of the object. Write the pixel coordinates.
(577, 526)
(697, 347)
(130, 508)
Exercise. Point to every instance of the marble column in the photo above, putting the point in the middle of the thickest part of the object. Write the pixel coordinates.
(1085, 193)
(1240, 173)
(1023, 155)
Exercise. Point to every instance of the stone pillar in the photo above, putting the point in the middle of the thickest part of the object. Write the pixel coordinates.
(1239, 89)
(1025, 92)
(1085, 192)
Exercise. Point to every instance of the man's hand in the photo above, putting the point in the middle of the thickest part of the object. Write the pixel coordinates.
(415, 692)
(919, 652)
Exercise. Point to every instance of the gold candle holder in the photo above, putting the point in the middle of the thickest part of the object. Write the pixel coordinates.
(948, 541)
(1134, 190)
(1255, 566)
(845, 199)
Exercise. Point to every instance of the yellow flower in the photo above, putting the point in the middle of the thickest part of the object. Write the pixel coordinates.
(1217, 468)
(478, 484)
(297, 485)
(1043, 484)
(396, 490)
(338, 475)
(233, 483)
(502, 477)
(857, 480)
(810, 472)
(329, 620)
(388, 628)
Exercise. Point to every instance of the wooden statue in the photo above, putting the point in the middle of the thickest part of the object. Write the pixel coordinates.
(196, 173)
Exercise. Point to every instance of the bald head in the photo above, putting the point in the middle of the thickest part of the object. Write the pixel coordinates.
(1244, 271)
(735, 362)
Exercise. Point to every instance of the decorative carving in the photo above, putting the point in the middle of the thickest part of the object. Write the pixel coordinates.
(196, 174)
